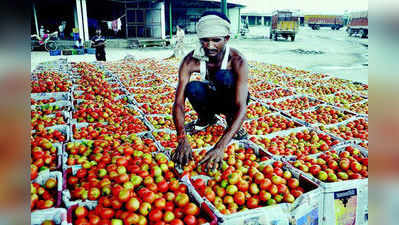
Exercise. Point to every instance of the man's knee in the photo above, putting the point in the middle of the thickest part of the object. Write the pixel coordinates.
(194, 88)
(225, 79)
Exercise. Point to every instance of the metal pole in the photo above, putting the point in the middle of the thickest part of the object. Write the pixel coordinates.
(170, 19)
(127, 34)
(85, 22)
(80, 20)
(223, 5)
(239, 19)
(35, 16)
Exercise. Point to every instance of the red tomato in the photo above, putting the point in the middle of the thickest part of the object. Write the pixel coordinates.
(191, 209)
(190, 220)
(176, 222)
(155, 215)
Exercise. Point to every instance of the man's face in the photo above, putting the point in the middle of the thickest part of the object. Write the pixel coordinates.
(213, 46)
(98, 32)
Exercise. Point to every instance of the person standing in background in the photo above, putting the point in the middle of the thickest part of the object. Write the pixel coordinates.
(78, 44)
(98, 42)
(179, 48)
(42, 31)
(61, 29)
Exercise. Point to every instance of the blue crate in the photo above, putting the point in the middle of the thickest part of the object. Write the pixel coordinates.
(80, 51)
(55, 52)
(90, 50)
(75, 36)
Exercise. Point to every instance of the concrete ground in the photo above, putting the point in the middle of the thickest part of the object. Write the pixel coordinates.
(326, 51)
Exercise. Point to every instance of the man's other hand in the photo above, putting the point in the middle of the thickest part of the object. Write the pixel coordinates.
(213, 159)
(183, 153)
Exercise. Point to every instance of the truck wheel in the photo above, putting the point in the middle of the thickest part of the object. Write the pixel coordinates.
(364, 33)
(270, 35)
(317, 27)
(350, 32)
(361, 33)
(332, 27)
(293, 38)
(275, 37)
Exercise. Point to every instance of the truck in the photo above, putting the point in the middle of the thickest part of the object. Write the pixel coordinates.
(284, 23)
(316, 21)
(358, 24)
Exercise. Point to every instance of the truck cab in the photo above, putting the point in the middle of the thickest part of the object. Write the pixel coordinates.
(284, 24)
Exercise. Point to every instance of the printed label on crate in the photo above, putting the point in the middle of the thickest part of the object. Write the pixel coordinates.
(311, 218)
(345, 203)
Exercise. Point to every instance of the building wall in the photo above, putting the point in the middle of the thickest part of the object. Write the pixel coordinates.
(234, 16)
(155, 19)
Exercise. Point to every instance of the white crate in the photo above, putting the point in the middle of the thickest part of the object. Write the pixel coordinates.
(58, 96)
(44, 176)
(58, 215)
(275, 214)
(337, 193)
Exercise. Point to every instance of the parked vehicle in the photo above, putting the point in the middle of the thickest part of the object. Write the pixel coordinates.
(244, 28)
(285, 24)
(358, 24)
(317, 21)
(48, 42)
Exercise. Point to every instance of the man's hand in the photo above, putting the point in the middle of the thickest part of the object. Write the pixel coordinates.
(213, 158)
(183, 153)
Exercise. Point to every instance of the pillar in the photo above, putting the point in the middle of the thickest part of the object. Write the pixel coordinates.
(170, 20)
(127, 30)
(163, 22)
(80, 20)
(85, 22)
(35, 16)
(223, 6)
(263, 20)
(75, 16)
(239, 20)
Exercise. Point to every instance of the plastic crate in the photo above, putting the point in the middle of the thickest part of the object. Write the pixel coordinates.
(74, 51)
(80, 51)
(90, 50)
(55, 52)
(283, 213)
(67, 52)
(44, 176)
(344, 200)
(58, 215)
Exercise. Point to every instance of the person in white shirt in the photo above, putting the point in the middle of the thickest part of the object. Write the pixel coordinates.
(179, 47)
(42, 31)
(61, 29)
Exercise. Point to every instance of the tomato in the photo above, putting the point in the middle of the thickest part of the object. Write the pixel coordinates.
(81, 211)
(163, 186)
(190, 220)
(107, 213)
(191, 209)
(239, 198)
(176, 222)
(82, 221)
(155, 215)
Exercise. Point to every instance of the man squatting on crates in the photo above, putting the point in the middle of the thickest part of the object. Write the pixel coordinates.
(223, 89)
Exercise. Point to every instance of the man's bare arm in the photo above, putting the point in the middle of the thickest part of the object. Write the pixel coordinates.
(183, 153)
(178, 106)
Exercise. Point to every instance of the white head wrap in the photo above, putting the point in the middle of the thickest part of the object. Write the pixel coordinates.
(210, 26)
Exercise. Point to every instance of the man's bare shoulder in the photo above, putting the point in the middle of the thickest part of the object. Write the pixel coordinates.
(189, 60)
(237, 56)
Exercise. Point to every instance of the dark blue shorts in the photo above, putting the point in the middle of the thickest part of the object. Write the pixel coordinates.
(210, 98)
